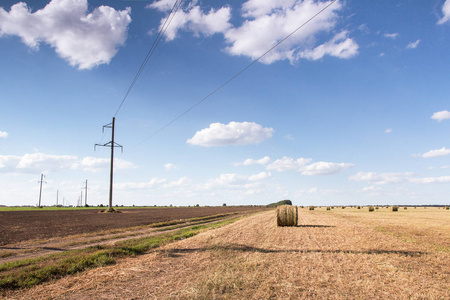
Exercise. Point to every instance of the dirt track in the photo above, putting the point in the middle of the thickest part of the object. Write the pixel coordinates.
(18, 226)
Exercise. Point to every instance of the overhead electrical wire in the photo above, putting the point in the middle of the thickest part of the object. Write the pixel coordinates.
(150, 52)
(237, 74)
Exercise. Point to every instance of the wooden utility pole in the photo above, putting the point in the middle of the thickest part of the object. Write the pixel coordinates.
(110, 144)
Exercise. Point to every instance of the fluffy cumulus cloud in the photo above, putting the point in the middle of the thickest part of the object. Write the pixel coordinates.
(233, 133)
(41, 162)
(265, 24)
(193, 19)
(435, 153)
(339, 46)
(36, 163)
(237, 180)
(3, 134)
(325, 168)
(445, 12)
(170, 167)
(305, 166)
(441, 115)
(288, 163)
(250, 161)
(83, 39)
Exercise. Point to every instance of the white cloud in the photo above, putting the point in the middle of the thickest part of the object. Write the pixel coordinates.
(389, 130)
(36, 163)
(162, 5)
(339, 46)
(325, 168)
(413, 45)
(441, 115)
(265, 24)
(260, 176)
(302, 165)
(263, 161)
(428, 180)
(288, 163)
(234, 133)
(434, 153)
(381, 178)
(391, 35)
(40, 162)
(94, 164)
(194, 19)
(170, 167)
(83, 39)
(3, 134)
(183, 181)
(445, 12)
(238, 181)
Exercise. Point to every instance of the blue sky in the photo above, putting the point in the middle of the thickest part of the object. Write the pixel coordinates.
(353, 108)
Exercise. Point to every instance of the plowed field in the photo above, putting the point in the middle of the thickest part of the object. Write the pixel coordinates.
(18, 226)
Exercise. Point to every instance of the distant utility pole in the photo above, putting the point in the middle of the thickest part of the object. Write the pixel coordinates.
(85, 195)
(110, 144)
(40, 190)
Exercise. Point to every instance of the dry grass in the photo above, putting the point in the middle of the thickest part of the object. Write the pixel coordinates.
(343, 254)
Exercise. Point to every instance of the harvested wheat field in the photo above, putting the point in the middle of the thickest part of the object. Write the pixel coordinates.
(337, 254)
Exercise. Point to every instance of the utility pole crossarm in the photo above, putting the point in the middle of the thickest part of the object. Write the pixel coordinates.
(108, 144)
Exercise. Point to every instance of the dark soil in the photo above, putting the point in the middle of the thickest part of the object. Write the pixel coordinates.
(18, 226)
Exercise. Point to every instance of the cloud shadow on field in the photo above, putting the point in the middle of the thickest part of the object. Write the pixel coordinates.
(245, 248)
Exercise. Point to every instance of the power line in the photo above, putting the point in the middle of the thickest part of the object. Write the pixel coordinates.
(237, 74)
(150, 52)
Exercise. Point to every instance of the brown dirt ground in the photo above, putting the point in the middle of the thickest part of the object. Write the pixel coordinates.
(18, 226)
(325, 257)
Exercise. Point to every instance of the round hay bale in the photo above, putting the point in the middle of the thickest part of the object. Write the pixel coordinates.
(371, 208)
(395, 208)
(287, 215)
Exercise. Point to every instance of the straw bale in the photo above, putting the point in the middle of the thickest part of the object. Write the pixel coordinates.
(287, 215)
